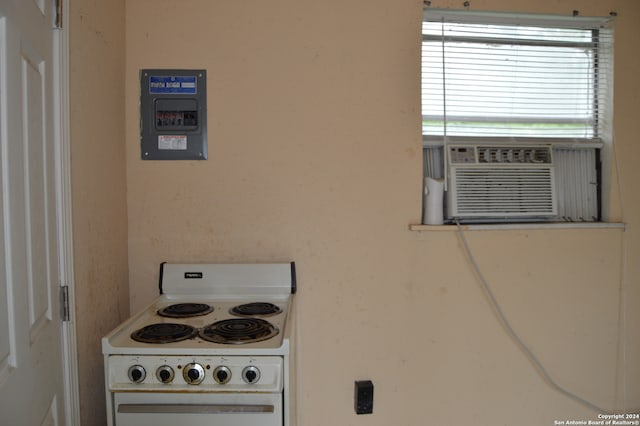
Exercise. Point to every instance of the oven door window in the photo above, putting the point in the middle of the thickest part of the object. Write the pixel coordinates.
(197, 409)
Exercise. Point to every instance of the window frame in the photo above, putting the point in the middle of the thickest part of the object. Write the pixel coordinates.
(602, 135)
(593, 25)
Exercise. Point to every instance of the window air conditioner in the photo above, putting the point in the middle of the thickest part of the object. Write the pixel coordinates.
(500, 181)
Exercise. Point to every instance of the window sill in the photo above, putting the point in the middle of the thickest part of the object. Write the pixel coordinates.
(519, 226)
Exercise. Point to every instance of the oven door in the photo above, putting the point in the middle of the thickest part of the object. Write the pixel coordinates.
(197, 409)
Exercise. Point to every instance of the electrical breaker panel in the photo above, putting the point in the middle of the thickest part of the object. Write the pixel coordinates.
(173, 114)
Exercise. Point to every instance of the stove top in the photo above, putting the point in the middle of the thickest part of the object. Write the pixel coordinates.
(217, 329)
(234, 331)
(212, 309)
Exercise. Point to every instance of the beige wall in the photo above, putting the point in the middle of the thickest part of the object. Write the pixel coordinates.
(99, 188)
(314, 156)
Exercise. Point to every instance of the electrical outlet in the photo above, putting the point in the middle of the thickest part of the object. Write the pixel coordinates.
(364, 397)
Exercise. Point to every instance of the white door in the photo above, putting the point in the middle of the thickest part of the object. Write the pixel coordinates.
(31, 373)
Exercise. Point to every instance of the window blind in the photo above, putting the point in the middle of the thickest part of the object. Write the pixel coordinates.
(510, 76)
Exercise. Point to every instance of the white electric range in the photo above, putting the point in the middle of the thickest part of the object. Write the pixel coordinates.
(213, 349)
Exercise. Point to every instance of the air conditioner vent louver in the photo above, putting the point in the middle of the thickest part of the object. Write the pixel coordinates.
(504, 182)
(504, 192)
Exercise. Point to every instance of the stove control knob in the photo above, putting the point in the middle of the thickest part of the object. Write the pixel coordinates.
(193, 373)
(251, 374)
(137, 373)
(164, 374)
(221, 374)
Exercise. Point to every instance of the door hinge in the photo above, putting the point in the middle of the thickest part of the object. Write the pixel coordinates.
(57, 23)
(64, 303)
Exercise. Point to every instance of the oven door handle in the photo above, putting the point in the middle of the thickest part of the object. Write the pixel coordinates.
(195, 408)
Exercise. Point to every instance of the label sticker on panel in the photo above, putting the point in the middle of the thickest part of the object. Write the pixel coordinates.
(172, 142)
(173, 84)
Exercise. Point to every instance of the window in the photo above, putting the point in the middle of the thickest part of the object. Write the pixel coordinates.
(516, 111)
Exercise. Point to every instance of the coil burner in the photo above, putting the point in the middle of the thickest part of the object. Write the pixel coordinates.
(185, 310)
(164, 333)
(264, 309)
(237, 331)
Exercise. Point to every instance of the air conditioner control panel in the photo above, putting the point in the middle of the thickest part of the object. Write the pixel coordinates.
(462, 154)
(498, 154)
